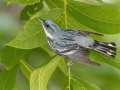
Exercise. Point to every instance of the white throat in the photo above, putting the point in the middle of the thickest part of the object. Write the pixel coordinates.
(47, 33)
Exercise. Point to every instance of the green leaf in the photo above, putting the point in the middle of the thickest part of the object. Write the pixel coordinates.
(102, 58)
(63, 66)
(76, 85)
(11, 56)
(8, 79)
(26, 68)
(30, 9)
(80, 84)
(33, 35)
(93, 2)
(28, 2)
(98, 18)
(52, 14)
(65, 20)
(39, 78)
(48, 49)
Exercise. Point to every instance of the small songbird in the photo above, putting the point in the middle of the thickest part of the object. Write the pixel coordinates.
(74, 44)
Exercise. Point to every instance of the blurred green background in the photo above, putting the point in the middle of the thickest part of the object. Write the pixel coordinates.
(106, 77)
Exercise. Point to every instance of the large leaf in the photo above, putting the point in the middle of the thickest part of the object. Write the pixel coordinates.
(26, 68)
(80, 84)
(102, 58)
(8, 79)
(52, 14)
(66, 21)
(28, 2)
(11, 56)
(39, 78)
(99, 18)
(33, 35)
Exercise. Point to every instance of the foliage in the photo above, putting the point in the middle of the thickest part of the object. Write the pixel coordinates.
(91, 16)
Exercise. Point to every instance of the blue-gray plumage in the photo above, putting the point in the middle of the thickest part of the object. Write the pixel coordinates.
(74, 44)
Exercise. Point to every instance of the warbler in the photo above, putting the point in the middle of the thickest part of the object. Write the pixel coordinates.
(74, 44)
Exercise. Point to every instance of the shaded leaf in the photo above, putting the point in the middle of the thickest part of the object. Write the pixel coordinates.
(8, 79)
(30, 9)
(48, 49)
(26, 68)
(102, 58)
(39, 77)
(98, 18)
(28, 2)
(93, 2)
(80, 84)
(76, 85)
(63, 66)
(11, 56)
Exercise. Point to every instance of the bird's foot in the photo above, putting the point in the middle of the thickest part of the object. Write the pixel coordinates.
(69, 63)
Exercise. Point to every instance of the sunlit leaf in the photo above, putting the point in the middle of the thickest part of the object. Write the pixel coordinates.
(11, 56)
(8, 79)
(80, 84)
(39, 78)
(66, 18)
(33, 34)
(98, 18)
(28, 2)
(52, 14)
(48, 49)
(26, 68)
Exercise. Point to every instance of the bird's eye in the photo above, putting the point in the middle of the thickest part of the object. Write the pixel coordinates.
(47, 25)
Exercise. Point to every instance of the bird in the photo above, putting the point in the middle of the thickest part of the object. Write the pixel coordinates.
(75, 44)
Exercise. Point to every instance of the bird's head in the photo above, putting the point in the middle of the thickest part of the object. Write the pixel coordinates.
(50, 27)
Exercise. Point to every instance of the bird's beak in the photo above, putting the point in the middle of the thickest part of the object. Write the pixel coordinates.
(42, 21)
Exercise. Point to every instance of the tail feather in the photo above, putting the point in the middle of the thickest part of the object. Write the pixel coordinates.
(108, 49)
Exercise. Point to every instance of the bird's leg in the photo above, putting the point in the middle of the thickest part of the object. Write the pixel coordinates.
(69, 63)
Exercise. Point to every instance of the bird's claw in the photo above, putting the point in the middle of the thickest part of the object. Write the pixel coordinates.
(69, 63)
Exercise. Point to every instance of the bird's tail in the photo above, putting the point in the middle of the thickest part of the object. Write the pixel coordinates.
(108, 49)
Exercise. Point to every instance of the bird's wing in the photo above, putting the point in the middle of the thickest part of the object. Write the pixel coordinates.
(84, 32)
(81, 56)
(88, 33)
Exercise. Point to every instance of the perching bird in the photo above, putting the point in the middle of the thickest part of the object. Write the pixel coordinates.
(74, 44)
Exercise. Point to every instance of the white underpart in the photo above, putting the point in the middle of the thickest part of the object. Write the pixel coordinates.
(69, 53)
(61, 49)
(110, 45)
(47, 33)
(109, 53)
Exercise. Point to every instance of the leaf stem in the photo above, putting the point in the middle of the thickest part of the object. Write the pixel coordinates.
(65, 13)
(69, 77)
